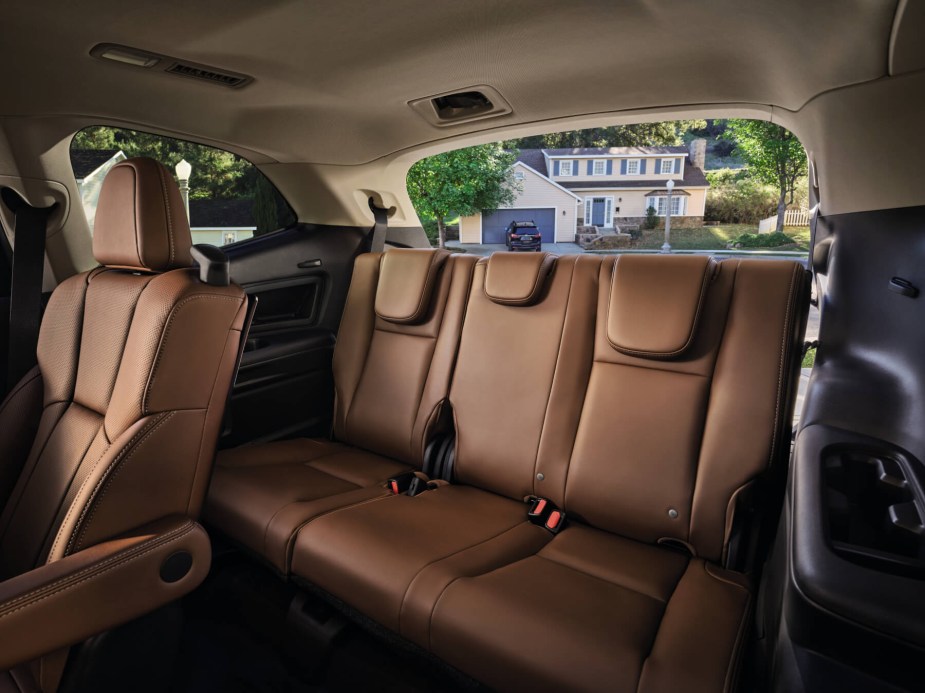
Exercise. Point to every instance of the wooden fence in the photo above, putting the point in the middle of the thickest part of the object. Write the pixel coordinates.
(792, 217)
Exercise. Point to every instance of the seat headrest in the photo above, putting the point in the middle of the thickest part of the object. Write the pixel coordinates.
(140, 222)
(407, 277)
(517, 279)
(656, 302)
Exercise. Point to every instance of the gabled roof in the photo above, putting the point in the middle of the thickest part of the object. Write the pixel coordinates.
(693, 177)
(534, 159)
(86, 161)
(615, 151)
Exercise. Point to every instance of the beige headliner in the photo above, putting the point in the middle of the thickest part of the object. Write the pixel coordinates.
(327, 116)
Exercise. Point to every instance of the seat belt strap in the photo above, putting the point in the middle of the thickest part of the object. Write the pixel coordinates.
(29, 230)
(380, 228)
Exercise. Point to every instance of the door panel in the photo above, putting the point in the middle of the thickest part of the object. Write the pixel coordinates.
(300, 278)
(849, 564)
(495, 223)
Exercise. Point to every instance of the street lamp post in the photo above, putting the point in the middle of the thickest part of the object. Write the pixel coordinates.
(184, 170)
(666, 248)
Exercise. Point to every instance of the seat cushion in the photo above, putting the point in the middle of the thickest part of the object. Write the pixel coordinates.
(261, 495)
(593, 611)
(369, 555)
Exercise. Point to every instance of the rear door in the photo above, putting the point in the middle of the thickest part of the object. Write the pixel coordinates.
(299, 277)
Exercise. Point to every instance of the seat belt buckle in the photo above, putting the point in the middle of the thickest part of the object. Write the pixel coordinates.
(419, 485)
(543, 512)
(537, 509)
(401, 483)
(555, 521)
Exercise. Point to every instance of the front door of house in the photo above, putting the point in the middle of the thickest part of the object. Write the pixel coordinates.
(597, 211)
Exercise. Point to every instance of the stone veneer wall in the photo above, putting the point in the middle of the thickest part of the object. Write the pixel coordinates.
(676, 222)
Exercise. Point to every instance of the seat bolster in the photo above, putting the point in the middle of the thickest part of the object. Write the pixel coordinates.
(20, 413)
(699, 642)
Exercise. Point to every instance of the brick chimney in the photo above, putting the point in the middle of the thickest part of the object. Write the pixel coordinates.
(699, 153)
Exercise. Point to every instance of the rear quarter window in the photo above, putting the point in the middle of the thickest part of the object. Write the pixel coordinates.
(229, 199)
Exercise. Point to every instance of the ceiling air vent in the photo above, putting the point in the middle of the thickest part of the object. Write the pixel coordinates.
(155, 62)
(226, 79)
(461, 106)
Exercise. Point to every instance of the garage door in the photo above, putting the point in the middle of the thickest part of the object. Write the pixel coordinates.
(494, 223)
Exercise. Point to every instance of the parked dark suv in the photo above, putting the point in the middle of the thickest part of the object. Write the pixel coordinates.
(523, 235)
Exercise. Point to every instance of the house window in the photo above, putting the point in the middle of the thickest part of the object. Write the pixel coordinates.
(667, 166)
(600, 168)
(632, 167)
(676, 205)
(565, 168)
(518, 175)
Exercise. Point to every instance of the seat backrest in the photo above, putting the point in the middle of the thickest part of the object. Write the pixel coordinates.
(135, 360)
(396, 348)
(688, 395)
(524, 357)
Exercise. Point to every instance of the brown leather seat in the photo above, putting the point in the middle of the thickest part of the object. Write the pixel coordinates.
(135, 360)
(525, 342)
(686, 406)
(392, 366)
(648, 423)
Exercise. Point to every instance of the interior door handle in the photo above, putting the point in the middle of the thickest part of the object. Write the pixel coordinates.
(308, 264)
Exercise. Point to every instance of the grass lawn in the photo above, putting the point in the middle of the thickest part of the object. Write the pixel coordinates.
(715, 237)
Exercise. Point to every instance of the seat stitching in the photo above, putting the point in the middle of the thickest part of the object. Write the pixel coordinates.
(94, 571)
(160, 171)
(781, 365)
(290, 544)
(86, 481)
(449, 555)
(552, 382)
(605, 580)
(369, 344)
(659, 629)
(106, 479)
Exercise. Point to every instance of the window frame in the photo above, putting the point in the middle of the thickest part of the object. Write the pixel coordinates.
(630, 162)
(661, 166)
(571, 168)
(603, 163)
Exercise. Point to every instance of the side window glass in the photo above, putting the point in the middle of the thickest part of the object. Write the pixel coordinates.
(228, 198)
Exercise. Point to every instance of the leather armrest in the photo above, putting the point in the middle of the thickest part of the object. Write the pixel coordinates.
(88, 592)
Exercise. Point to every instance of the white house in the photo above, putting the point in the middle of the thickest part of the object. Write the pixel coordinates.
(562, 189)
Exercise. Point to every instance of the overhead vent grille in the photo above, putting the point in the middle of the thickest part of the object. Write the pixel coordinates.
(226, 79)
(461, 106)
(137, 58)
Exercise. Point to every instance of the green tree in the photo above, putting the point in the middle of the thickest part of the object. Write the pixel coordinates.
(264, 210)
(664, 133)
(216, 174)
(463, 182)
(773, 155)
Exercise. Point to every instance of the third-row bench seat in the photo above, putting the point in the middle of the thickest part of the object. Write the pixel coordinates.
(644, 396)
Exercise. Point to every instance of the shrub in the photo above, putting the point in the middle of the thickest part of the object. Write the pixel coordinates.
(762, 240)
(734, 198)
(430, 228)
(651, 218)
